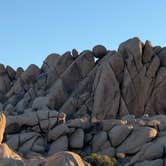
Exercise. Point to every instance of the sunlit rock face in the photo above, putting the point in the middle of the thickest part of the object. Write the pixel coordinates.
(97, 101)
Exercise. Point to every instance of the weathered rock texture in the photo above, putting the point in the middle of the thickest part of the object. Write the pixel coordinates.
(114, 105)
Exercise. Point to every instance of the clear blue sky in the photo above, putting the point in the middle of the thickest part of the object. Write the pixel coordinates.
(31, 29)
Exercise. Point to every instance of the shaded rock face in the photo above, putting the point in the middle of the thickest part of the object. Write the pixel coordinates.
(114, 105)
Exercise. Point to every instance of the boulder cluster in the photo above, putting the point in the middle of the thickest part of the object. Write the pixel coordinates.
(99, 101)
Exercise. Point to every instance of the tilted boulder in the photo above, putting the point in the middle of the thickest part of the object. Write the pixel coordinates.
(139, 137)
(106, 84)
(119, 133)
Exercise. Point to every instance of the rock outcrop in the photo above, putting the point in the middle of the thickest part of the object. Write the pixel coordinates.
(113, 105)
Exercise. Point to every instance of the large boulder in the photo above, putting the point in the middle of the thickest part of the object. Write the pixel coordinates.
(106, 92)
(99, 51)
(98, 140)
(151, 151)
(147, 52)
(58, 131)
(30, 74)
(155, 103)
(74, 53)
(40, 103)
(119, 133)
(141, 69)
(61, 144)
(11, 72)
(24, 142)
(77, 139)
(132, 54)
(57, 95)
(57, 63)
(137, 139)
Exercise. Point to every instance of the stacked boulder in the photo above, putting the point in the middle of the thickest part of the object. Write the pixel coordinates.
(111, 105)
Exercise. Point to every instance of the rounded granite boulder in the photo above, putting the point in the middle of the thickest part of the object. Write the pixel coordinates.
(99, 51)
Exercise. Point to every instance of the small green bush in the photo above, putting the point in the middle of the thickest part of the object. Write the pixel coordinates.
(101, 160)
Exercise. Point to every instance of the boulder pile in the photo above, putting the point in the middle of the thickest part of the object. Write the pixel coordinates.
(99, 101)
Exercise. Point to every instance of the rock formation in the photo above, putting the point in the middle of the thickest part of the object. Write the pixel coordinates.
(113, 105)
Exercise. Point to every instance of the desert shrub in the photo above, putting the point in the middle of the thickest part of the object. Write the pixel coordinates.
(101, 160)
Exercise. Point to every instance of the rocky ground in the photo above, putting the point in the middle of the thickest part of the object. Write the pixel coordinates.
(99, 101)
